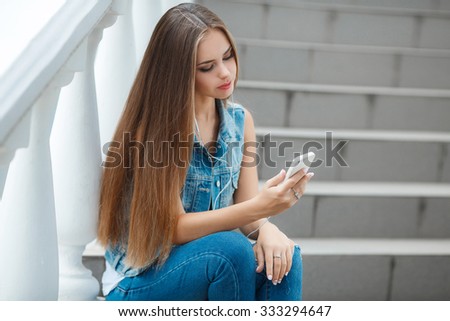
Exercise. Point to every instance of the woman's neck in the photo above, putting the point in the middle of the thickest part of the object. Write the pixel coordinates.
(205, 109)
(207, 122)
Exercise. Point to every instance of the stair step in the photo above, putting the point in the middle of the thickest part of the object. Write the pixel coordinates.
(332, 65)
(363, 135)
(359, 155)
(366, 216)
(362, 246)
(314, 22)
(391, 5)
(94, 249)
(281, 104)
(398, 8)
(345, 48)
(341, 89)
(360, 269)
(376, 189)
(348, 246)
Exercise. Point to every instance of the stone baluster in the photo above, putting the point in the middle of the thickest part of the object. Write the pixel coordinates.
(145, 16)
(19, 138)
(28, 237)
(115, 69)
(76, 156)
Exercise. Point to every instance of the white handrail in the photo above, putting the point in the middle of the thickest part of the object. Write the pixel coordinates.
(33, 70)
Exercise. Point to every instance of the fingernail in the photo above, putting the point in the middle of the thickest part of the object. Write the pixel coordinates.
(310, 175)
(286, 274)
(274, 282)
(279, 281)
(269, 277)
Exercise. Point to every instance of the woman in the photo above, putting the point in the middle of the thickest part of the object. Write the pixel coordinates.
(187, 177)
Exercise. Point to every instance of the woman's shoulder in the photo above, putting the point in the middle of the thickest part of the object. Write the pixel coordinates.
(243, 119)
(234, 105)
(243, 112)
(237, 108)
(237, 112)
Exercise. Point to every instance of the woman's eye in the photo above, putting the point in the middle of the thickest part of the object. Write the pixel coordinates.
(206, 69)
(231, 55)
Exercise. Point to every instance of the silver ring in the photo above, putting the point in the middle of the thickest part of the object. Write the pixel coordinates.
(297, 196)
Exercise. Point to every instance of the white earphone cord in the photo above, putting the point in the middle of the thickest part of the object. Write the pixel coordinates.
(259, 227)
(197, 129)
(218, 159)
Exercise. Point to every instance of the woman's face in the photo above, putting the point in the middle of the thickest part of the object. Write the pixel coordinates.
(216, 66)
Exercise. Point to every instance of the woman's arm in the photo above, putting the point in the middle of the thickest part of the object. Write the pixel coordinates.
(273, 248)
(273, 199)
(248, 177)
(194, 225)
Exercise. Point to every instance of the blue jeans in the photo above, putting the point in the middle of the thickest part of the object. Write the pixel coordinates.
(216, 267)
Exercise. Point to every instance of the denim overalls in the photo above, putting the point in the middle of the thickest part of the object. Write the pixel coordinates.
(211, 179)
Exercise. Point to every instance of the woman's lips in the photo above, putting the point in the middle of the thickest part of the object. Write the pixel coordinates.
(225, 86)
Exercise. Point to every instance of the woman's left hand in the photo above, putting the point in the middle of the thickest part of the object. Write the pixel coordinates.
(274, 250)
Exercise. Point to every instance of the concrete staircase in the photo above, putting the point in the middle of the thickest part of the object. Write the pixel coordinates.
(376, 75)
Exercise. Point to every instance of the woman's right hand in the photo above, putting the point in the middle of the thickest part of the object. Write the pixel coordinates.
(278, 195)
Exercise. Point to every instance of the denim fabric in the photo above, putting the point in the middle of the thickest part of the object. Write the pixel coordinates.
(208, 184)
(212, 179)
(217, 267)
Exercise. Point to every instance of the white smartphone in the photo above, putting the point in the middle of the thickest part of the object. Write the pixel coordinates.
(300, 162)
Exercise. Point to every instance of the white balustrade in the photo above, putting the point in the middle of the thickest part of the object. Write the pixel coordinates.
(51, 141)
(76, 157)
(29, 93)
(75, 146)
(28, 237)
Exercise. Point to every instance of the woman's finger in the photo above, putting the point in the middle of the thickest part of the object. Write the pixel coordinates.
(277, 267)
(301, 185)
(277, 179)
(269, 264)
(294, 180)
(259, 255)
(284, 259)
(289, 254)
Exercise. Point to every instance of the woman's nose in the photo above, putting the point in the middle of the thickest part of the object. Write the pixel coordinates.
(223, 71)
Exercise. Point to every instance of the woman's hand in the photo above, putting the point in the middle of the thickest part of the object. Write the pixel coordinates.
(274, 250)
(278, 195)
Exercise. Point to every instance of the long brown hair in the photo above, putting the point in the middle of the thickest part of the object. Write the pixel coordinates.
(138, 200)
